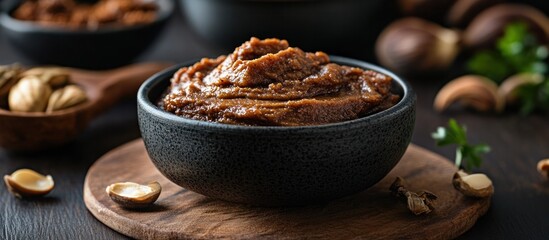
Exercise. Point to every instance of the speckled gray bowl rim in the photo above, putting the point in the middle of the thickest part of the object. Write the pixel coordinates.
(407, 100)
(165, 10)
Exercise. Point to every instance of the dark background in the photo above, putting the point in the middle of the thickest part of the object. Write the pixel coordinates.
(520, 206)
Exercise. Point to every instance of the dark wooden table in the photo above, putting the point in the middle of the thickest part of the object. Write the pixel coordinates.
(520, 208)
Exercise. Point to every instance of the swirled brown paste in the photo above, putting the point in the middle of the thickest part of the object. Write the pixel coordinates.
(266, 82)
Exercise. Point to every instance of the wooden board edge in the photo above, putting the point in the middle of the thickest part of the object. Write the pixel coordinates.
(102, 213)
(120, 224)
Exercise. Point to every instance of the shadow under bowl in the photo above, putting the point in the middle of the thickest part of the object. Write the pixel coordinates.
(273, 165)
(106, 47)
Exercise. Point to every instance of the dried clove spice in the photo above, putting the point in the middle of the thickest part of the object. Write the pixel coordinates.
(418, 203)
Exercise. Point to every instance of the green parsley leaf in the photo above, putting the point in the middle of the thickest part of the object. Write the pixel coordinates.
(489, 64)
(517, 51)
(521, 50)
(467, 155)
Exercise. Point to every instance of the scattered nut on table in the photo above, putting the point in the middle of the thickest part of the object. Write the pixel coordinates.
(463, 12)
(543, 167)
(418, 203)
(509, 88)
(473, 91)
(133, 195)
(28, 183)
(473, 185)
(414, 46)
(488, 26)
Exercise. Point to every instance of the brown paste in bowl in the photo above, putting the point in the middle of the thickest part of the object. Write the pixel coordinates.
(267, 82)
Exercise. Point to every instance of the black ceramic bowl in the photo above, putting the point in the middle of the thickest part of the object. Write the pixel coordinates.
(345, 27)
(275, 166)
(106, 47)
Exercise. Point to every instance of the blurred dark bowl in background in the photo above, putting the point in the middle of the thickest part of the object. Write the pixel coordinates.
(343, 27)
(106, 47)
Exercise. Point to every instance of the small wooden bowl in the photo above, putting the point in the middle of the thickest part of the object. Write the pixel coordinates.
(25, 131)
(275, 166)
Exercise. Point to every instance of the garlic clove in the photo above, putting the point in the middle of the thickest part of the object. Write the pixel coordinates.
(474, 185)
(30, 94)
(66, 97)
(28, 183)
(543, 167)
(415, 46)
(509, 87)
(474, 91)
(490, 24)
(133, 195)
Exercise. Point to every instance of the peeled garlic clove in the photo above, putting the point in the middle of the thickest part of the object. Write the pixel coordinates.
(133, 195)
(415, 46)
(509, 87)
(28, 183)
(543, 167)
(53, 76)
(474, 91)
(474, 185)
(30, 94)
(66, 97)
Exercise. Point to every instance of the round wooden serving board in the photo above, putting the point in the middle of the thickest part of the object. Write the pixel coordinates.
(371, 214)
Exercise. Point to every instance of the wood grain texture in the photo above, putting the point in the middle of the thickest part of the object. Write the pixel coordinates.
(374, 213)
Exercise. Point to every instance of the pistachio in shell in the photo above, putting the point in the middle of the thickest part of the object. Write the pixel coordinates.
(66, 97)
(53, 76)
(473, 91)
(473, 185)
(543, 167)
(509, 88)
(28, 183)
(133, 195)
(8, 76)
(30, 94)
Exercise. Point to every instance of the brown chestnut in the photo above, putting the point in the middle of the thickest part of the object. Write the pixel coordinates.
(463, 12)
(490, 25)
(413, 46)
